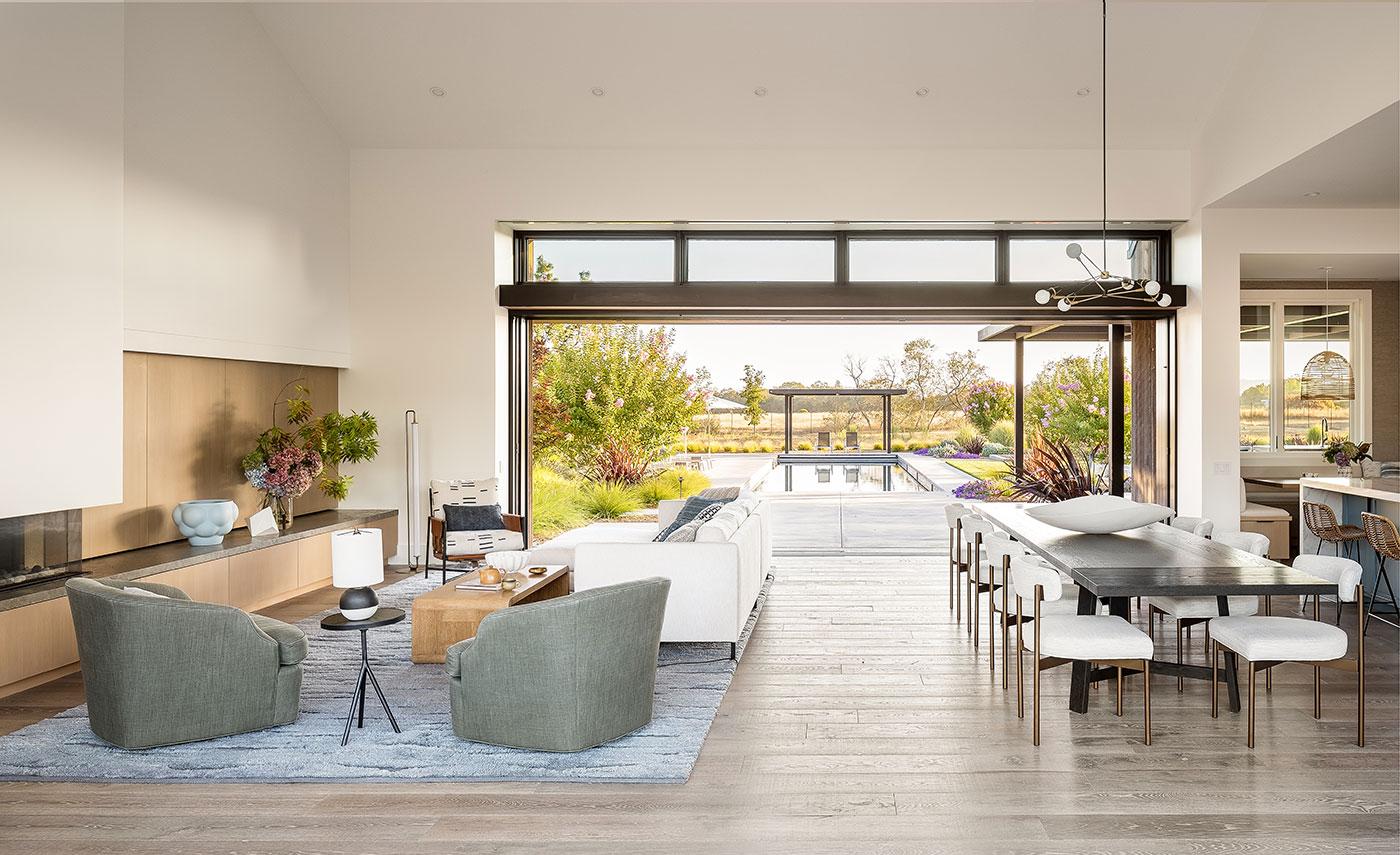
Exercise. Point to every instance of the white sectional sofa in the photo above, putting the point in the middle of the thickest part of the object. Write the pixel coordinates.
(714, 581)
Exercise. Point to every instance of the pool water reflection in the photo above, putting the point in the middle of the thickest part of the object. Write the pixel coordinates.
(818, 477)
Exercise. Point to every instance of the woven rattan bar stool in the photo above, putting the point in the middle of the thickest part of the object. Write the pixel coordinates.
(1322, 522)
(1383, 537)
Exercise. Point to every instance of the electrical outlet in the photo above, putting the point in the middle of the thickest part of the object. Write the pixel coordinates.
(1222, 468)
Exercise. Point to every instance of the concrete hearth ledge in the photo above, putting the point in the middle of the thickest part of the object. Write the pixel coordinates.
(140, 563)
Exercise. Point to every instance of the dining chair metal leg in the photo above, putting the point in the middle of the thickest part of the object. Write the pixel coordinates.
(1118, 705)
(1249, 732)
(1317, 692)
(1147, 702)
(952, 573)
(1035, 678)
(1360, 674)
(976, 620)
(1215, 681)
(1269, 674)
(1205, 648)
(1180, 681)
(1020, 680)
(1005, 637)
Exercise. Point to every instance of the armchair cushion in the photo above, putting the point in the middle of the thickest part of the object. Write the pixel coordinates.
(291, 642)
(481, 542)
(473, 517)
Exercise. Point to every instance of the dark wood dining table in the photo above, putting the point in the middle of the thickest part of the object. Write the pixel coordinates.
(1155, 560)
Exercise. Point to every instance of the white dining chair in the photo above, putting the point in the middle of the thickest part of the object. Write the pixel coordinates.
(1265, 641)
(1001, 603)
(1199, 526)
(1189, 611)
(975, 530)
(954, 512)
(1063, 639)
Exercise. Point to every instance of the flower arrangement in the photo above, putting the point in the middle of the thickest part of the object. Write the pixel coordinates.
(1344, 452)
(284, 463)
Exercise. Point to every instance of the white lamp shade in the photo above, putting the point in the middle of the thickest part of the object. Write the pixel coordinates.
(357, 558)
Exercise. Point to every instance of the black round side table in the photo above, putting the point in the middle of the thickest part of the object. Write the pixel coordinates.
(337, 622)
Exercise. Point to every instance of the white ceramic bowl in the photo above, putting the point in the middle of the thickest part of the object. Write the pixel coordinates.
(1099, 514)
(508, 562)
(205, 521)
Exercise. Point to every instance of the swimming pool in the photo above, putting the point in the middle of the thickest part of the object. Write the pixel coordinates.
(819, 477)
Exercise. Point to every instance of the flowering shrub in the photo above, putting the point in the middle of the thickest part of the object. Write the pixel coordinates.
(982, 491)
(988, 402)
(1068, 401)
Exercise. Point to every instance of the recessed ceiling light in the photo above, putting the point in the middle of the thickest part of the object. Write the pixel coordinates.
(1085, 91)
(437, 91)
(1311, 194)
(922, 91)
(761, 91)
(598, 91)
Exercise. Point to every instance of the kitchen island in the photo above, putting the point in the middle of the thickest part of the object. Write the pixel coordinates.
(1348, 498)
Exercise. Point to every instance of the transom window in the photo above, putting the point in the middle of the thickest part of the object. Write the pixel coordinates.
(853, 258)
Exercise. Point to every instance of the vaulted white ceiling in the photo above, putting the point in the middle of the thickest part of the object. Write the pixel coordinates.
(678, 75)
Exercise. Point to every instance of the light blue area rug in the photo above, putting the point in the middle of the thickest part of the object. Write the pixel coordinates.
(689, 687)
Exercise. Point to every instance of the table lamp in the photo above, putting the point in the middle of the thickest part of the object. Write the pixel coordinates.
(357, 561)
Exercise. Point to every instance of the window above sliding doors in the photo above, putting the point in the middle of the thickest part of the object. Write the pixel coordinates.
(1279, 332)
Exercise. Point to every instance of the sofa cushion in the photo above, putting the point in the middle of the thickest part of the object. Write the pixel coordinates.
(721, 529)
(686, 533)
(291, 642)
(560, 549)
(724, 494)
(692, 507)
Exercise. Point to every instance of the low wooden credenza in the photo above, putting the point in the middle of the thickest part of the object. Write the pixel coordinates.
(36, 628)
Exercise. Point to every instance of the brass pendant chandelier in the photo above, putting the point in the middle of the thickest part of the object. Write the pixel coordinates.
(1327, 376)
(1101, 283)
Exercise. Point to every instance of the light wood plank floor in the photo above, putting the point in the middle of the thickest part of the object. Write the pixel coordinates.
(859, 721)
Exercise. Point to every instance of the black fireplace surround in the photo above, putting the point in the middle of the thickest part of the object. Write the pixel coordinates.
(40, 547)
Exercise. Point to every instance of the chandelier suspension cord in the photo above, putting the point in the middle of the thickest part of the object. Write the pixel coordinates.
(1103, 114)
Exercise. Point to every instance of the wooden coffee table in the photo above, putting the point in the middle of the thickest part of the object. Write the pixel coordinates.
(445, 616)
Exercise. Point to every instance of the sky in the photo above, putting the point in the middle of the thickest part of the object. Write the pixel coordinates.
(810, 352)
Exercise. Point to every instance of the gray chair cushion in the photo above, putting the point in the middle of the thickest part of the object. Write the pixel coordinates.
(291, 642)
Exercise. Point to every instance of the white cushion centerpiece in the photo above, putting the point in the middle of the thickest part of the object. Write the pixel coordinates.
(1099, 514)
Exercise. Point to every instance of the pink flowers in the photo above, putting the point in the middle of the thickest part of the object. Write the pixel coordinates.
(287, 473)
(619, 403)
(589, 396)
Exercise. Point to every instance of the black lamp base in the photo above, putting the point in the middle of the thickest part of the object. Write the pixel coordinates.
(358, 603)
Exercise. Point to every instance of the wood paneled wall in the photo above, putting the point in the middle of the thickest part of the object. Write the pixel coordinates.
(187, 421)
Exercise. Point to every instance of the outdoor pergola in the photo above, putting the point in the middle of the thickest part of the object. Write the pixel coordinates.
(886, 397)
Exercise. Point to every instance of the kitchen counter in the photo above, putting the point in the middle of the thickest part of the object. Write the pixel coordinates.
(1381, 489)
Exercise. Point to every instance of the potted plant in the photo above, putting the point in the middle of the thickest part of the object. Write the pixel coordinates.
(285, 462)
(1344, 452)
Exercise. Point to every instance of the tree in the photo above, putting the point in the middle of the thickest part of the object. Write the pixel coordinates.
(937, 385)
(753, 394)
(988, 402)
(620, 395)
(1068, 401)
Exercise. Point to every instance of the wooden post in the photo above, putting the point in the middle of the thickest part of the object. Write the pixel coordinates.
(1020, 450)
(1115, 408)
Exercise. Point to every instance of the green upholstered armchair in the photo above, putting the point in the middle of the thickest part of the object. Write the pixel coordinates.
(165, 670)
(561, 675)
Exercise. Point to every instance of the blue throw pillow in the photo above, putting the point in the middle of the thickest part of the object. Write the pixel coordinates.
(689, 511)
(473, 517)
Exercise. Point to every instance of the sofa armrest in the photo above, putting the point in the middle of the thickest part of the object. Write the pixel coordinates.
(706, 585)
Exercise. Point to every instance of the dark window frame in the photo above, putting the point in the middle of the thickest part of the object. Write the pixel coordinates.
(682, 238)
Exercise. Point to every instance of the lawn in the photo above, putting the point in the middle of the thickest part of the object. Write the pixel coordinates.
(981, 469)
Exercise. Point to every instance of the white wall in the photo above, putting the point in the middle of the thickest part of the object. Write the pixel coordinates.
(427, 252)
(60, 256)
(1310, 71)
(237, 195)
(1207, 259)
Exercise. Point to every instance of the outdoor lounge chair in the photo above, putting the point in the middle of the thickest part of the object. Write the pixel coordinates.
(824, 440)
(852, 441)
